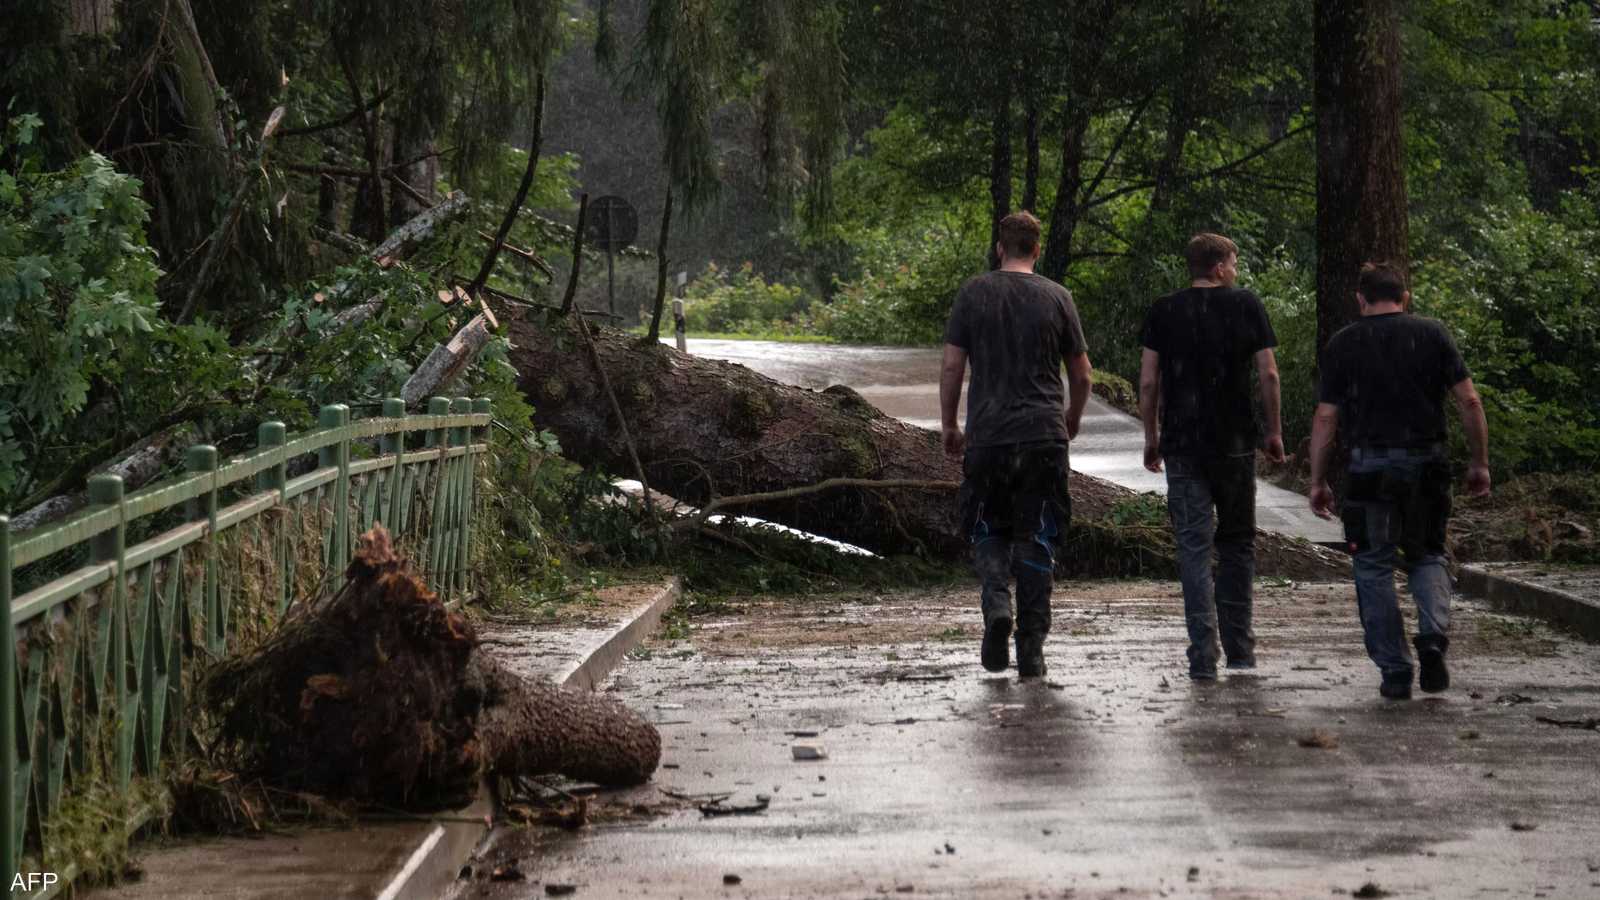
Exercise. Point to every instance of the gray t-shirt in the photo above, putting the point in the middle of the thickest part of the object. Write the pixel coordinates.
(1017, 329)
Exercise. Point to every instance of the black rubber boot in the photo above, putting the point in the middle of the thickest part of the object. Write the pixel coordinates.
(997, 644)
(1396, 685)
(1030, 655)
(1433, 676)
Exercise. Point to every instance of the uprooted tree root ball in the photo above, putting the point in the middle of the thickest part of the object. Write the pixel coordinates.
(381, 695)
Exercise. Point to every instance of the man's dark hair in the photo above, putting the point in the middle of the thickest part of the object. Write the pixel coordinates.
(1382, 281)
(1205, 251)
(1019, 234)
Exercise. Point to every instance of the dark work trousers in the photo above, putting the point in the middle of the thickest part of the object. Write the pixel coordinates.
(1015, 509)
(1195, 486)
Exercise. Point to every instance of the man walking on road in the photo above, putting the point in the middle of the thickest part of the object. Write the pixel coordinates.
(1198, 347)
(1017, 328)
(1384, 380)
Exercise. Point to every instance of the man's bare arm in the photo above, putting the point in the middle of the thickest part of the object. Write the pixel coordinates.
(951, 375)
(1324, 425)
(1149, 407)
(1080, 377)
(1267, 372)
(1476, 426)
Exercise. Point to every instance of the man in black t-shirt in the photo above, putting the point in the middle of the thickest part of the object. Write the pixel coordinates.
(1017, 329)
(1384, 380)
(1199, 344)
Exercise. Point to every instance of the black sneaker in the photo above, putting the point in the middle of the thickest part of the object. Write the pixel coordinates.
(1432, 676)
(1030, 655)
(1396, 685)
(997, 644)
(1243, 662)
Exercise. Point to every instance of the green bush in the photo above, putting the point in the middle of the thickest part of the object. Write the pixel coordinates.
(723, 301)
(77, 296)
(1523, 300)
(904, 292)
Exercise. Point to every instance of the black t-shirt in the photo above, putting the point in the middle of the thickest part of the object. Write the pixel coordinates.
(1207, 338)
(1017, 328)
(1389, 375)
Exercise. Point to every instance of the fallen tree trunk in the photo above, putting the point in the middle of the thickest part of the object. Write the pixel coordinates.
(705, 429)
(381, 695)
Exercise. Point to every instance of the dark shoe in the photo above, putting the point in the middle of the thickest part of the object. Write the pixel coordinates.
(1396, 685)
(1202, 674)
(997, 644)
(1030, 655)
(1433, 676)
(1245, 662)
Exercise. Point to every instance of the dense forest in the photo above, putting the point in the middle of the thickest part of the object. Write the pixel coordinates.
(195, 195)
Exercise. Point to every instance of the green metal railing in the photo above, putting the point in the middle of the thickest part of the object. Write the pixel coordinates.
(91, 672)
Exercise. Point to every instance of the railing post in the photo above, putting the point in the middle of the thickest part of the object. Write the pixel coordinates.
(337, 415)
(394, 408)
(481, 406)
(111, 546)
(203, 458)
(273, 434)
(8, 711)
(461, 437)
(438, 438)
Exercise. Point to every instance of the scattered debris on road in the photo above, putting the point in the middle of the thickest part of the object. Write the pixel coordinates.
(1319, 740)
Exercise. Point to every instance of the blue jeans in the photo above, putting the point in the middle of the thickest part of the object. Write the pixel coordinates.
(1398, 502)
(1220, 605)
(1015, 508)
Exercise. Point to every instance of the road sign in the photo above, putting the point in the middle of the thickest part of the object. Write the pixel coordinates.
(613, 224)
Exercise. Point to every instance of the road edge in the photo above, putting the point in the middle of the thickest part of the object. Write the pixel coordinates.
(443, 849)
(1515, 595)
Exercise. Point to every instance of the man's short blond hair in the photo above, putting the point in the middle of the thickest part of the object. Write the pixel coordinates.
(1205, 251)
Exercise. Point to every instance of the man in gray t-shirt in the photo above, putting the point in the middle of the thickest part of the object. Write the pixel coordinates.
(1017, 328)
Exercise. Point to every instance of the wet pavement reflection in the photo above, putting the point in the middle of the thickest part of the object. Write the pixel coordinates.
(1114, 776)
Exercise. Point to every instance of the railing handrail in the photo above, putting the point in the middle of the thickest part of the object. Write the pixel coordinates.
(36, 544)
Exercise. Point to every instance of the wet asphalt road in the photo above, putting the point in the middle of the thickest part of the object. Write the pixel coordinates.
(1113, 777)
(904, 382)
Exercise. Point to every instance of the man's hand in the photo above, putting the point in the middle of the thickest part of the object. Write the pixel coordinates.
(1322, 500)
(1274, 448)
(1073, 425)
(954, 440)
(1152, 456)
(1478, 480)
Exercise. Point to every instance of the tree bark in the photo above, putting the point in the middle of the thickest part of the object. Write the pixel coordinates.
(447, 361)
(706, 429)
(1065, 210)
(1030, 166)
(661, 269)
(382, 695)
(1361, 191)
(999, 163)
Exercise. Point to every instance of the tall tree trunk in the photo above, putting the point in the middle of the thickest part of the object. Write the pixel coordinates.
(414, 147)
(1361, 190)
(999, 165)
(661, 269)
(1064, 211)
(1030, 166)
(1186, 94)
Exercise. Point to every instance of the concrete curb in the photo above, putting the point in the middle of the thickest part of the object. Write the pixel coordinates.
(443, 849)
(1515, 595)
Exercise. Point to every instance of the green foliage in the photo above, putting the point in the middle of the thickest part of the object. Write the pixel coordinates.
(905, 289)
(724, 301)
(78, 308)
(1522, 295)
